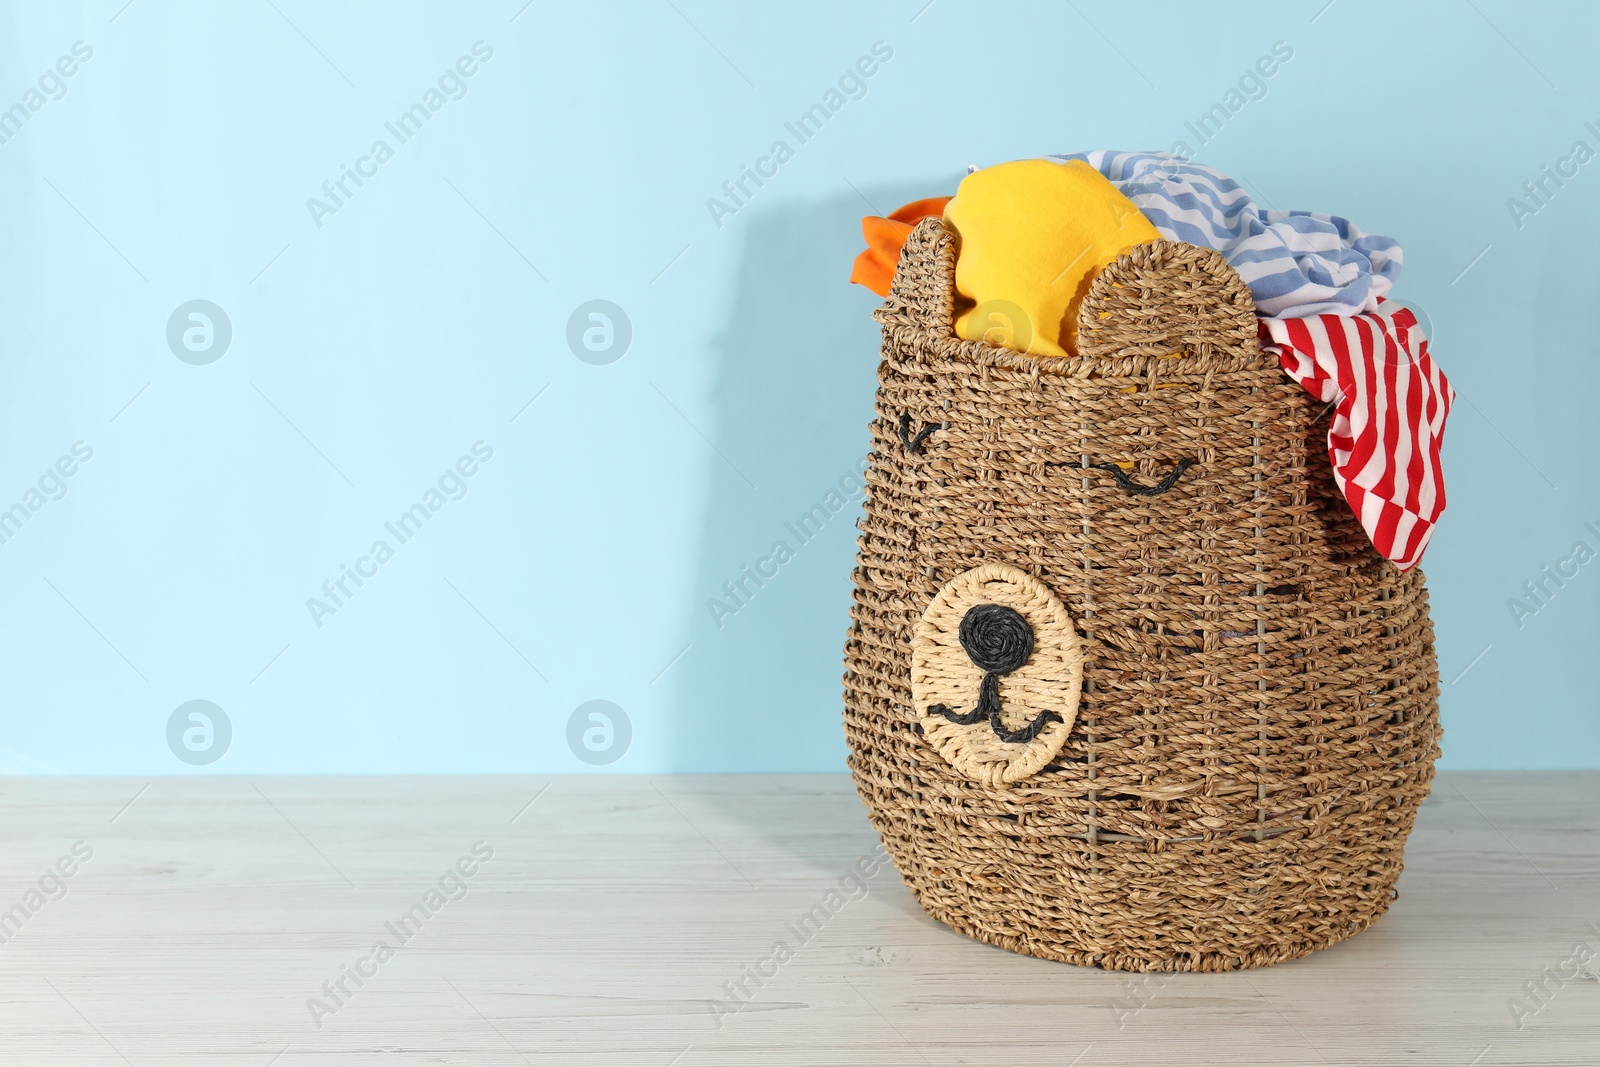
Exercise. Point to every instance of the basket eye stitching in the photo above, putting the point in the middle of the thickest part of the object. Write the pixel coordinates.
(914, 443)
(1128, 485)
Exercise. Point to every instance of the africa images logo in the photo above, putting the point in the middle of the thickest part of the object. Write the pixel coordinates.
(452, 85)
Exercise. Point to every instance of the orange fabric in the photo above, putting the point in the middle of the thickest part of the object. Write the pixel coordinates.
(874, 268)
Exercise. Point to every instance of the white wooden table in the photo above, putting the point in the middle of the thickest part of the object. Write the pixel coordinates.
(212, 911)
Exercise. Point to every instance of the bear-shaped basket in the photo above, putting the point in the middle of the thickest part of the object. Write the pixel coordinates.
(1126, 684)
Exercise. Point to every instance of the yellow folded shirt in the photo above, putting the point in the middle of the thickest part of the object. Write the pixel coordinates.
(1032, 236)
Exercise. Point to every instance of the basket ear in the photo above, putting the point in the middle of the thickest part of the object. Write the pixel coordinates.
(922, 294)
(1164, 298)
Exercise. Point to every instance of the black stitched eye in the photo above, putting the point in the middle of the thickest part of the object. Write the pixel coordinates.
(1127, 484)
(914, 443)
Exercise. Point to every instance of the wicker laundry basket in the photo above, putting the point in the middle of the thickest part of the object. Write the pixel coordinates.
(1126, 684)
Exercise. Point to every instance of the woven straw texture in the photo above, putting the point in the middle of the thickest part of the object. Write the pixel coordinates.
(1257, 718)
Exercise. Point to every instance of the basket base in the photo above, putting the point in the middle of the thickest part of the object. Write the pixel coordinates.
(1231, 959)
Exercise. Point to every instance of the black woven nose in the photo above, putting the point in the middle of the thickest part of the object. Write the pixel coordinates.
(997, 638)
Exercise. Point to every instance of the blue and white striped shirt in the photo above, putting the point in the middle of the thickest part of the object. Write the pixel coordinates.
(1296, 263)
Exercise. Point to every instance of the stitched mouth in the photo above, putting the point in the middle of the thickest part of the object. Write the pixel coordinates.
(998, 640)
(992, 712)
(1127, 484)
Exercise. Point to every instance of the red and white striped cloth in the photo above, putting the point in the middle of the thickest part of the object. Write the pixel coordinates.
(1390, 404)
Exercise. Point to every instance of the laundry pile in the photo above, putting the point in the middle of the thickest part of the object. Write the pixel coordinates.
(1033, 234)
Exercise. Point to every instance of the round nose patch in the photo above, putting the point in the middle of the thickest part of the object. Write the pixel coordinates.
(996, 673)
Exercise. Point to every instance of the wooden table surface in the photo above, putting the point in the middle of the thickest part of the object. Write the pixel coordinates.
(609, 920)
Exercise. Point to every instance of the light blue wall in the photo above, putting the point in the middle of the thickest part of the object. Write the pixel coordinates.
(370, 352)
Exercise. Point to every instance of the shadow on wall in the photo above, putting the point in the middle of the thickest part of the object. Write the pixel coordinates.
(796, 370)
